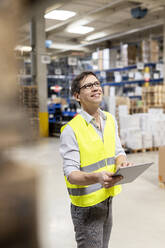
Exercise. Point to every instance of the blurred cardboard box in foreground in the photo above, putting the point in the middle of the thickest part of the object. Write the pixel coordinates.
(162, 164)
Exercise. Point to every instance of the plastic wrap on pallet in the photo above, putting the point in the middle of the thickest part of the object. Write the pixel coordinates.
(159, 138)
(151, 127)
(123, 136)
(147, 141)
(123, 110)
(134, 139)
(150, 122)
(155, 111)
(158, 126)
(156, 140)
(145, 122)
(129, 121)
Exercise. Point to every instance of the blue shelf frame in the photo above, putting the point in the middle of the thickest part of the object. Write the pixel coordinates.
(135, 97)
(155, 81)
(127, 68)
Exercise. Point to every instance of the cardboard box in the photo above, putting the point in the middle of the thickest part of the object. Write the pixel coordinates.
(132, 52)
(154, 51)
(145, 48)
(122, 101)
(113, 58)
(18, 205)
(106, 90)
(162, 164)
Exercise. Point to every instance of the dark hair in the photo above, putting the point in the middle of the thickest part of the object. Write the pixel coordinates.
(75, 86)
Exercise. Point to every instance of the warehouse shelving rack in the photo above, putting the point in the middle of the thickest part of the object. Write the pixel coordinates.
(126, 68)
(126, 81)
(58, 118)
(122, 83)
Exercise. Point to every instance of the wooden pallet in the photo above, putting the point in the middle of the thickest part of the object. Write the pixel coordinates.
(151, 149)
(134, 110)
(135, 150)
(155, 148)
(142, 150)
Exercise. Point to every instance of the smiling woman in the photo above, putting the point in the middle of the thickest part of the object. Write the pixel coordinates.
(91, 152)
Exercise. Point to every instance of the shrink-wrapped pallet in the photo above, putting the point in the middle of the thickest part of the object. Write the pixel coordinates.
(134, 139)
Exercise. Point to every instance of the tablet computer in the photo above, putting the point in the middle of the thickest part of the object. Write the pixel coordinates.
(130, 173)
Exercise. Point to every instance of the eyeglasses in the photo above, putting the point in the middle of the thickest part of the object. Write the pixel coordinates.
(90, 85)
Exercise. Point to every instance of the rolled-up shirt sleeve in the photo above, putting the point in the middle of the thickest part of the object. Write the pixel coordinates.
(69, 151)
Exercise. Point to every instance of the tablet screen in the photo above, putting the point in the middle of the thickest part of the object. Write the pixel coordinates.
(130, 173)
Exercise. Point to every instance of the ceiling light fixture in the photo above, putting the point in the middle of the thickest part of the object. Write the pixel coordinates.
(23, 48)
(96, 36)
(60, 15)
(79, 29)
(82, 22)
(65, 46)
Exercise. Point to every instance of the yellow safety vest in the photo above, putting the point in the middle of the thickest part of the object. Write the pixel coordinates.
(95, 155)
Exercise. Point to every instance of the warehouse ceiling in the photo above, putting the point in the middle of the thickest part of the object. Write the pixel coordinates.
(110, 19)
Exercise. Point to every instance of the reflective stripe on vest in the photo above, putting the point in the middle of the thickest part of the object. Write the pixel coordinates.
(98, 165)
(85, 191)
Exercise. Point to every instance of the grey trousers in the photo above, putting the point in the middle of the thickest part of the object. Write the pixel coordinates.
(93, 225)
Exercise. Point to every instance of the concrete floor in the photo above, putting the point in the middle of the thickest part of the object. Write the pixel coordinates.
(138, 212)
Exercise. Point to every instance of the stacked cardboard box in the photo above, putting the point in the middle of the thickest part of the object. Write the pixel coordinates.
(154, 96)
(132, 53)
(154, 51)
(18, 205)
(100, 60)
(113, 58)
(123, 101)
(150, 50)
(145, 49)
(124, 54)
(162, 165)
(137, 106)
(106, 90)
(29, 100)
